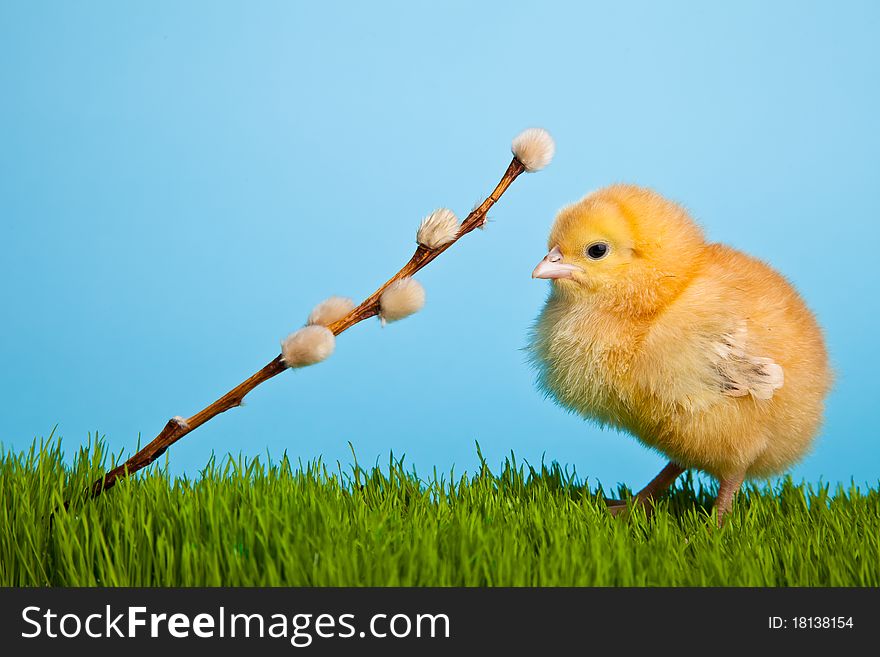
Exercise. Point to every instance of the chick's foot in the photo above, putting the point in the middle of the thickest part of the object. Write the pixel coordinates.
(649, 493)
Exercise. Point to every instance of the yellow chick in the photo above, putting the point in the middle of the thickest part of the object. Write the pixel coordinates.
(702, 352)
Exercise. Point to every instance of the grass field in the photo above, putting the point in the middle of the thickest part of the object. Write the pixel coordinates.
(246, 523)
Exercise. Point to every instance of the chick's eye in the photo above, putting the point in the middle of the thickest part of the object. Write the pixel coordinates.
(598, 250)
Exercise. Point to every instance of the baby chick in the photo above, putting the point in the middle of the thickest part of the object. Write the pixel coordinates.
(702, 352)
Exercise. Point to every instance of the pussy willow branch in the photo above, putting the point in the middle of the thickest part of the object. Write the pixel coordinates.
(177, 428)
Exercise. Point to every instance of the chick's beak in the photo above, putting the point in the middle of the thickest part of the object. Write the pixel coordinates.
(552, 266)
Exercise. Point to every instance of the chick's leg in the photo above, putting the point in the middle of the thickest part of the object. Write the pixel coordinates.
(655, 488)
(728, 487)
(660, 483)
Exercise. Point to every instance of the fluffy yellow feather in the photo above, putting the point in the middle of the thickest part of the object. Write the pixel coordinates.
(702, 352)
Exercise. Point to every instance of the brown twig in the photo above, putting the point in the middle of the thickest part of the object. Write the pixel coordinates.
(178, 427)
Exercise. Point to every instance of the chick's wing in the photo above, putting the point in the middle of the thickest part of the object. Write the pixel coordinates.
(694, 362)
(740, 372)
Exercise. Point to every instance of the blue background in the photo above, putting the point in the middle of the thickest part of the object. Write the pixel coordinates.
(181, 182)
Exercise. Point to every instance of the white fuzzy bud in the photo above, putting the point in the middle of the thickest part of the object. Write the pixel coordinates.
(534, 148)
(307, 346)
(438, 228)
(401, 299)
(330, 310)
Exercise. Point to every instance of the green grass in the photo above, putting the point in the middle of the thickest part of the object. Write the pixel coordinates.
(245, 523)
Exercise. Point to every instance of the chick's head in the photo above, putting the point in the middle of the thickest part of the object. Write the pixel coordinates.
(624, 247)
